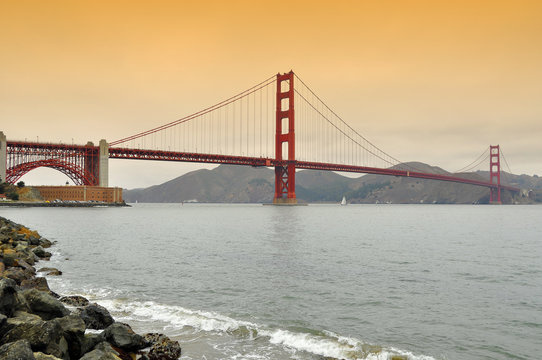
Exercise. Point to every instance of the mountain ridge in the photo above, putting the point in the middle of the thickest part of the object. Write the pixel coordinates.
(241, 184)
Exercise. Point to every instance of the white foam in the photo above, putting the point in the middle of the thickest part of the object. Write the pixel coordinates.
(176, 317)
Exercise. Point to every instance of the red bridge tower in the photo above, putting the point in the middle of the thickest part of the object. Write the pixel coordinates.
(495, 174)
(285, 133)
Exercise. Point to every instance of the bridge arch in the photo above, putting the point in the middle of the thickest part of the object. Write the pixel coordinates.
(74, 172)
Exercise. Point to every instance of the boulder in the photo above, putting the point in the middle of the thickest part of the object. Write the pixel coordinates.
(74, 300)
(162, 347)
(90, 341)
(17, 274)
(44, 304)
(41, 253)
(50, 271)
(8, 298)
(96, 316)
(122, 336)
(39, 283)
(73, 329)
(27, 266)
(45, 243)
(41, 356)
(10, 258)
(19, 350)
(39, 334)
(103, 351)
(44, 336)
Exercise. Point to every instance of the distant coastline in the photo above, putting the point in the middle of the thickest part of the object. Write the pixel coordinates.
(59, 204)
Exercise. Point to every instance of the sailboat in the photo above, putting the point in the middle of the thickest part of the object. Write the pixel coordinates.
(343, 201)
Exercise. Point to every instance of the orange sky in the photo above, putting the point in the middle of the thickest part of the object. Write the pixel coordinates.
(434, 81)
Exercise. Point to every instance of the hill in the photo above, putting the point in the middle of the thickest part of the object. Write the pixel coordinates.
(242, 184)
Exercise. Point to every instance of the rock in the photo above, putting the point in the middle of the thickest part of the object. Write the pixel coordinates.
(45, 243)
(34, 240)
(74, 300)
(41, 253)
(8, 298)
(162, 347)
(41, 356)
(73, 329)
(122, 336)
(72, 325)
(90, 341)
(44, 336)
(103, 351)
(21, 317)
(44, 304)
(39, 334)
(39, 283)
(50, 271)
(19, 350)
(17, 274)
(96, 317)
(10, 258)
(27, 266)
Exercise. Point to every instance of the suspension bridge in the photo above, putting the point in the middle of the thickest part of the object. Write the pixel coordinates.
(272, 124)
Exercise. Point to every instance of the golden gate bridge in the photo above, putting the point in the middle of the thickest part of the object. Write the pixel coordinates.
(272, 124)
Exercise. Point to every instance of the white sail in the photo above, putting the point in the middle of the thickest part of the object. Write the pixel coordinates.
(343, 201)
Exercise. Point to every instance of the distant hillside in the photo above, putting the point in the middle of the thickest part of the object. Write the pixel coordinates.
(243, 184)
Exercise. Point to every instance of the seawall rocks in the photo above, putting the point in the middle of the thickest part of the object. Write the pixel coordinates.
(36, 324)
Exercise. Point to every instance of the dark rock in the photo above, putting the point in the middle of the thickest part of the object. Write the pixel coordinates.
(22, 317)
(96, 317)
(18, 350)
(8, 298)
(122, 336)
(10, 258)
(90, 341)
(41, 253)
(73, 329)
(33, 240)
(72, 325)
(39, 283)
(162, 347)
(45, 336)
(45, 243)
(103, 351)
(58, 349)
(74, 300)
(44, 305)
(27, 267)
(39, 334)
(50, 271)
(17, 274)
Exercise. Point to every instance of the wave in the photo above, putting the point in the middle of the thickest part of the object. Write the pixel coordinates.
(173, 319)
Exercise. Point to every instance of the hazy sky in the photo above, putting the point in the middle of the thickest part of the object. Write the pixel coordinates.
(425, 80)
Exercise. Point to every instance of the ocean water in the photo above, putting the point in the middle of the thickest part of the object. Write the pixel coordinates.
(311, 282)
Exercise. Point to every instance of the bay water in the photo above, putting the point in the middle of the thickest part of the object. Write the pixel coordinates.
(309, 282)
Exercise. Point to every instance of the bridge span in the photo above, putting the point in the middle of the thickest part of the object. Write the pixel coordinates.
(271, 124)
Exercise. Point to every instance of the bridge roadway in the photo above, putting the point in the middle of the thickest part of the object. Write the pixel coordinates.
(139, 154)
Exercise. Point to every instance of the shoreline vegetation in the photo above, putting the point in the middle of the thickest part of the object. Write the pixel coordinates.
(36, 323)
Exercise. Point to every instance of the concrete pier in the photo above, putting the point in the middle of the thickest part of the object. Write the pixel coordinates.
(103, 176)
(3, 156)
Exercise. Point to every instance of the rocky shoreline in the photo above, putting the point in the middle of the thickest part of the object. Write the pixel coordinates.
(36, 323)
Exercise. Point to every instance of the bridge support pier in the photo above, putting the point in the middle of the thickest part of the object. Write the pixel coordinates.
(103, 164)
(3, 157)
(285, 133)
